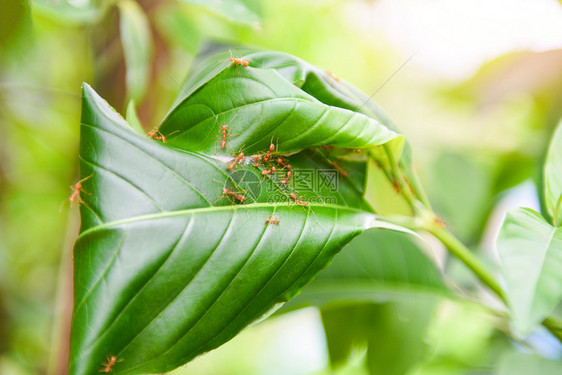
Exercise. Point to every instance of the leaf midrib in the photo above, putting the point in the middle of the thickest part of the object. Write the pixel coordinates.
(193, 211)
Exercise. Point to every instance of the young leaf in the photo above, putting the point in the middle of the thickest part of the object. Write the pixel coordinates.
(553, 177)
(316, 82)
(274, 108)
(531, 253)
(167, 268)
(137, 47)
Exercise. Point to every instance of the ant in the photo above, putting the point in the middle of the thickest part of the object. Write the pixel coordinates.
(283, 164)
(77, 189)
(268, 171)
(333, 76)
(224, 132)
(157, 135)
(272, 221)
(358, 150)
(267, 155)
(298, 201)
(287, 177)
(111, 361)
(340, 170)
(439, 222)
(227, 193)
(396, 186)
(236, 160)
(238, 61)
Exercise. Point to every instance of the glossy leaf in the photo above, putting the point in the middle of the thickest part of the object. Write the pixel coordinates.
(379, 293)
(553, 177)
(137, 47)
(166, 268)
(297, 77)
(377, 266)
(274, 110)
(531, 253)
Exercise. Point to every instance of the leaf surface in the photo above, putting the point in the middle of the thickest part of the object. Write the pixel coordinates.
(531, 253)
(167, 267)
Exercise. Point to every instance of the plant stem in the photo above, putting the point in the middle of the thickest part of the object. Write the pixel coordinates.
(402, 187)
(424, 219)
(458, 249)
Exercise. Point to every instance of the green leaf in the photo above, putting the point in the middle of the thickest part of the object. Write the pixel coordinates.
(531, 253)
(399, 340)
(381, 293)
(525, 364)
(393, 332)
(377, 266)
(234, 10)
(137, 47)
(166, 268)
(275, 108)
(178, 26)
(553, 177)
(133, 119)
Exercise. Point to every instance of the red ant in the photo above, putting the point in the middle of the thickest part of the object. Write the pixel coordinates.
(396, 186)
(283, 164)
(439, 222)
(227, 193)
(298, 201)
(236, 160)
(238, 61)
(272, 221)
(358, 150)
(340, 170)
(111, 361)
(334, 77)
(267, 155)
(268, 171)
(157, 135)
(224, 132)
(287, 177)
(76, 189)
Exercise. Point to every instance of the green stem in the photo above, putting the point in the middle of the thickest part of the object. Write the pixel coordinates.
(458, 249)
(425, 219)
(415, 183)
(399, 180)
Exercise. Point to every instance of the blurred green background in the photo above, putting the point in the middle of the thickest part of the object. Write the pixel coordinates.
(476, 87)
